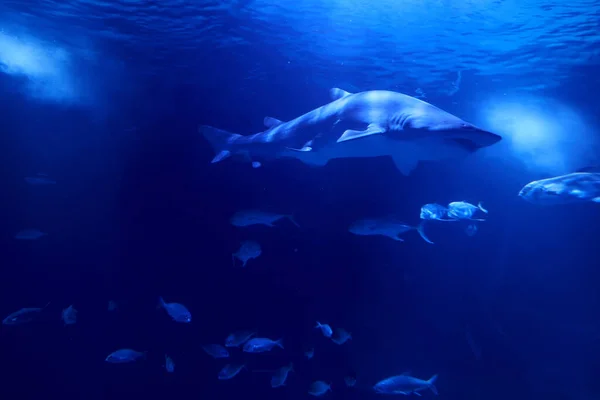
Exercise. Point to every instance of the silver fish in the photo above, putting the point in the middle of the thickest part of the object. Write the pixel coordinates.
(169, 364)
(23, 315)
(341, 336)
(215, 350)
(578, 187)
(464, 210)
(309, 353)
(260, 345)
(238, 338)
(319, 388)
(258, 217)
(230, 370)
(385, 227)
(125, 356)
(405, 384)
(177, 311)
(69, 315)
(434, 211)
(280, 376)
(249, 249)
(325, 329)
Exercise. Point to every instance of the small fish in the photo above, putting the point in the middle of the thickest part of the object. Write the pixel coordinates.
(341, 336)
(258, 217)
(177, 311)
(325, 329)
(405, 384)
(169, 364)
(39, 180)
(350, 381)
(69, 315)
(23, 316)
(30, 234)
(385, 227)
(249, 250)
(260, 345)
(278, 379)
(319, 388)
(112, 305)
(230, 370)
(238, 338)
(464, 210)
(434, 212)
(256, 164)
(577, 187)
(309, 353)
(215, 350)
(471, 230)
(125, 356)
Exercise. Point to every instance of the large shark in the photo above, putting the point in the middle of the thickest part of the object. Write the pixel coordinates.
(366, 124)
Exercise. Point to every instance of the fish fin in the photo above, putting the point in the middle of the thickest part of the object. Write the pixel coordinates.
(271, 122)
(293, 220)
(219, 140)
(480, 206)
(161, 303)
(397, 238)
(221, 156)
(279, 343)
(337, 93)
(596, 199)
(421, 230)
(431, 382)
(372, 129)
(417, 393)
(405, 165)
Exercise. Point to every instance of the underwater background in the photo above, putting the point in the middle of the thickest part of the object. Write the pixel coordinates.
(105, 98)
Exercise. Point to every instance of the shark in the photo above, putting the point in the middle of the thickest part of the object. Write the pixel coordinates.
(366, 124)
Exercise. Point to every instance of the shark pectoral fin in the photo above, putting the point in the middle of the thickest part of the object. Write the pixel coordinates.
(397, 238)
(372, 129)
(221, 156)
(271, 122)
(405, 164)
(337, 93)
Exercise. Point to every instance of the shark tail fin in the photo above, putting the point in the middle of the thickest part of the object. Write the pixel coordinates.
(480, 206)
(219, 140)
(431, 382)
(421, 230)
(293, 220)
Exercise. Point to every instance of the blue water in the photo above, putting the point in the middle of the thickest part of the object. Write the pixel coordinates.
(106, 99)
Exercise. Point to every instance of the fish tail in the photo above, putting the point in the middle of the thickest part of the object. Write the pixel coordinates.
(161, 302)
(480, 206)
(421, 230)
(318, 325)
(219, 140)
(431, 382)
(293, 220)
(279, 343)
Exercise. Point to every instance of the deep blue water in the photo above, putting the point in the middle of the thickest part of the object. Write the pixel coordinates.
(106, 98)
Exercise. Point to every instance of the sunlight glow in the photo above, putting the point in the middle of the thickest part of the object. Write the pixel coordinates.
(547, 136)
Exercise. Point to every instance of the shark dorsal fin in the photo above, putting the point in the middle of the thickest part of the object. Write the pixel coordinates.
(337, 93)
(271, 122)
